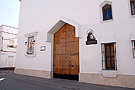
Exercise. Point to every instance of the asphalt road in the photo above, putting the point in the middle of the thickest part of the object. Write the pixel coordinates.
(11, 81)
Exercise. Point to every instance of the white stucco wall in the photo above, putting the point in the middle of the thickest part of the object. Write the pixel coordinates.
(42, 15)
(91, 55)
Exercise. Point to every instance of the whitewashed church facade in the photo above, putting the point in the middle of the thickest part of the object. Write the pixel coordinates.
(94, 39)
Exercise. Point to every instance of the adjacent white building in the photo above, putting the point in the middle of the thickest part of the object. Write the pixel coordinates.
(94, 39)
(8, 45)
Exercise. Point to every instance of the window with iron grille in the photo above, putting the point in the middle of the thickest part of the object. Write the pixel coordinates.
(107, 12)
(109, 61)
(133, 48)
(132, 4)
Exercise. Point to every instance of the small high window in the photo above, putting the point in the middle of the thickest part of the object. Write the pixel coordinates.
(132, 4)
(109, 61)
(107, 12)
(133, 48)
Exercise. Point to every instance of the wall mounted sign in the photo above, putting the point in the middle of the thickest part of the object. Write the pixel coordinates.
(90, 38)
(42, 48)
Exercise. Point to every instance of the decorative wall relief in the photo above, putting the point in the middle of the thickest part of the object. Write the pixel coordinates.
(90, 38)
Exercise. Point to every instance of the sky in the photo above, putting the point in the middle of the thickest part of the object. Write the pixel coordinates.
(9, 12)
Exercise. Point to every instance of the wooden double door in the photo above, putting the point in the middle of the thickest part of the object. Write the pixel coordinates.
(66, 51)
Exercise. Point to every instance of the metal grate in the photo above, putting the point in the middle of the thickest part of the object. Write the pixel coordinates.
(132, 4)
(109, 60)
(133, 48)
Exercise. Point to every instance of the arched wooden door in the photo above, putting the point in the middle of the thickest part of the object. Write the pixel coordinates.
(66, 51)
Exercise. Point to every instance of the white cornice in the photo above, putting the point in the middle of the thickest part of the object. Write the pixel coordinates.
(7, 32)
(8, 26)
(31, 34)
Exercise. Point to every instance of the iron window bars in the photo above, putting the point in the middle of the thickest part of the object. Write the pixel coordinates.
(132, 4)
(133, 48)
(109, 60)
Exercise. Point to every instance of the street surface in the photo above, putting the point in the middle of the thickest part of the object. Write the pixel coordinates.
(11, 81)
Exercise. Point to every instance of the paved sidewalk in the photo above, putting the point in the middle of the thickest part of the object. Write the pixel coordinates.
(47, 84)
